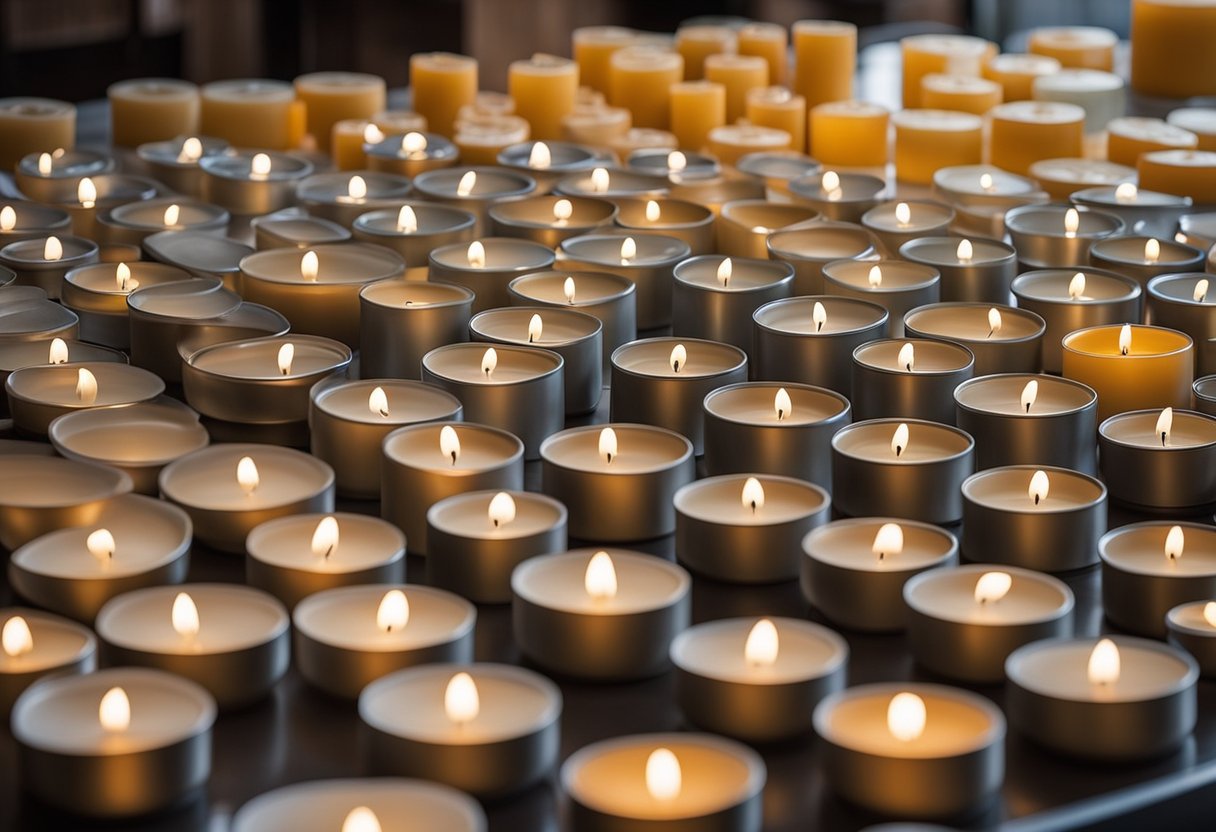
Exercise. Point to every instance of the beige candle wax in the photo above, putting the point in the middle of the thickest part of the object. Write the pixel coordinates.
(697, 107)
(22, 220)
(688, 221)
(390, 801)
(543, 88)
(132, 223)
(1083, 47)
(292, 228)
(825, 60)
(152, 109)
(925, 54)
(474, 189)
(34, 125)
(1101, 94)
(849, 133)
(329, 97)
(640, 78)
(929, 140)
(1061, 178)
(1017, 73)
(487, 265)
(769, 41)
(1199, 120)
(1023, 132)
(779, 109)
(959, 93)
(811, 248)
(39, 394)
(252, 113)
(442, 83)
(894, 223)
(1129, 137)
(38, 644)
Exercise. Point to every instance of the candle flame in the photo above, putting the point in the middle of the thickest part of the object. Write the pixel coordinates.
(449, 443)
(489, 361)
(372, 134)
(86, 192)
(563, 210)
(461, 702)
(725, 270)
(907, 357)
(994, 321)
(899, 439)
(122, 276)
(325, 537)
(1029, 393)
(629, 250)
(1040, 485)
(1076, 286)
(1200, 295)
(753, 494)
(540, 157)
(45, 164)
(875, 277)
(600, 578)
(992, 587)
(889, 541)
(536, 327)
(393, 613)
(8, 218)
(678, 358)
(819, 316)
(407, 220)
(965, 251)
(172, 214)
(52, 249)
(1152, 250)
(114, 712)
(361, 818)
(59, 352)
(676, 161)
(260, 165)
(599, 181)
(101, 545)
(413, 143)
(476, 255)
(1175, 542)
(247, 475)
(1072, 221)
(782, 404)
(830, 182)
(1164, 424)
(467, 183)
(1209, 613)
(356, 188)
(762, 645)
(663, 776)
(906, 716)
(1126, 193)
(1125, 339)
(653, 211)
(86, 386)
(568, 289)
(192, 150)
(608, 444)
(502, 509)
(377, 402)
(310, 266)
(287, 354)
(16, 638)
(1104, 663)
(986, 183)
(903, 214)
(185, 616)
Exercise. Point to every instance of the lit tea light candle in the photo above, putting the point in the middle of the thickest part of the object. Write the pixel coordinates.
(895, 223)
(950, 741)
(175, 161)
(1050, 236)
(344, 196)
(41, 494)
(548, 219)
(151, 726)
(1186, 302)
(1149, 568)
(1061, 178)
(487, 729)
(46, 177)
(909, 468)
(17, 354)
(646, 259)
(610, 298)
(909, 378)
(1192, 626)
(98, 294)
(843, 197)
(1111, 699)
(1143, 258)
(1143, 211)
(43, 261)
(132, 223)
(1131, 367)
(93, 196)
(39, 394)
(36, 644)
(203, 255)
(688, 221)
(810, 249)
(21, 220)
(1002, 339)
(426, 463)
(614, 185)
(487, 265)
(249, 183)
(474, 189)
(714, 298)
(677, 165)
(1159, 459)
(767, 516)
(414, 229)
(403, 320)
(294, 556)
(743, 225)
(410, 153)
(292, 228)
(894, 285)
(973, 270)
(548, 162)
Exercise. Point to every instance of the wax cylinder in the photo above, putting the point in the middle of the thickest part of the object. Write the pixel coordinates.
(1061, 178)
(330, 97)
(1127, 138)
(849, 133)
(1078, 47)
(697, 107)
(953, 54)
(544, 88)
(1171, 59)
(346, 140)
(151, 109)
(769, 41)
(1023, 132)
(593, 47)
(779, 109)
(1190, 173)
(960, 93)
(640, 79)
(251, 113)
(442, 83)
(1100, 94)
(34, 125)
(739, 74)
(1199, 120)
(1156, 372)
(825, 59)
(926, 140)
(1016, 73)
(696, 44)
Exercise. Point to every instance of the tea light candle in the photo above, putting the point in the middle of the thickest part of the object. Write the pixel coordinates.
(1061, 178)
(414, 229)
(250, 183)
(634, 468)
(423, 464)
(410, 153)
(202, 255)
(688, 221)
(292, 228)
(36, 644)
(810, 249)
(38, 394)
(743, 225)
(146, 728)
(1182, 302)
(548, 162)
(42, 262)
(348, 637)
(1002, 339)
(894, 285)
(47, 176)
(610, 298)
(777, 168)
(677, 165)
(474, 189)
(912, 468)
(175, 161)
(614, 185)
(909, 378)
(1029, 419)
(895, 223)
(133, 542)
(17, 354)
(21, 220)
(928, 141)
(403, 320)
(1160, 459)
(294, 556)
(715, 193)
(647, 259)
(719, 517)
(1143, 258)
(662, 382)
(844, 197)
(487, 265)
(1191, 628)
(229, 489)
(1068, 300)
(26, 315)
(98, 294)
(344, 196)
(1113, 699)
(95, 195)
(1131, 367)
(715, 297)
(132, 223)
(40, 494)
(548, 219)
(912, 750)
(232, 640)
(1054, 236)
(487, 729)
(975, 270)
(1142, 211)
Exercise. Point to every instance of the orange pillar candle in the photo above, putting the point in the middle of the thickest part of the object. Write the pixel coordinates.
(696, 108)
(1023, 132)
(964, 93)
(825, 59)
(780, 109)
(1172, 54)
(1016, 73)
(346, 141)
(1183, 172)
(544, 88)
(330, 97)
(481, 139)
(252, 113)
(442, 83)
(597, 126)
(593, 47)
(739, 74)
(34, 125)
(1199, 120)
(641, 138)
(733, 141)
(1131, 367)
(1076, 47)
(151, 110)
(926, 140)
(396, 122)
(696, 43)
(1131, 136)
(949, 54)
(640, 81)
(769, 41)
(849, 133)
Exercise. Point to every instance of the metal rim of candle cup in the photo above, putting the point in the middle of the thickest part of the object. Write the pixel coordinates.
(893, 238)
(1199, 642)
(428, 183)
(415, 248)
(86, 299)
(290, 168)
(1067, 343)
(839, 418)
(184, 250)
(703, 220)
(557, 368)
(386, 153)
(388, 263)
(32, 414)
(23, 520)
(1197, 318)
(14, 681)
(739, 355)
(647, 160)
(113, 189)
(1138, 600)
(52, 320)
(48, 274)
(1018, 287)
(517, 157)
(166, 155)
(505, 216)
(466, 294)
(753, 164)
(1100, 258)
(810, 188)
(782, 274)
(637, 185)
(932, 277)
(91, 163)
(908, 251)
(777, 251)
(115, 227)
(627, 287)
(267, 236)
(48, 220)
(1204, 390)
(1138, 217)
(916, 373)
(1004, 354)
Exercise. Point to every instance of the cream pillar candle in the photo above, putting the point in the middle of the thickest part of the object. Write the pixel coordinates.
(34, 125)
(256, 113)
(152, 109)
(825, 60)
(1018, 72)
(1101, 94)
(544, 88)
(329, 97)
(779, 109)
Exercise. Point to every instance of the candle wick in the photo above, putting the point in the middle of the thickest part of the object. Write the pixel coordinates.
(882, 555)
(329, 552)
(609, 455)
(409, 303)
(1164, 437)
(1123, 351)
(780, 414)
(819, 326)
(990, 332)
(675, 365)
(531, 340)
(908, 366)
(283, 370)
(1036, 499)
(496, 522)
(899, 449)
(487, 372)
(384, 413)
(453, 458)
(753, 506)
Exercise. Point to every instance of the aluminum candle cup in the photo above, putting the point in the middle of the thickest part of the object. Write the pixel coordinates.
(66, 171)
(232, 640)
(887, 383)
(343, 196)
(506, 743)
(1058, 236)
(161, 751)
(39, 394)
(134, 222)
(1191, 630)
(517, 389)
(648, 262)
(550, 219)
(1142, 211)
(487, 265)
(844, 197)
(42, 263)
(17, 354)
(1027, 419)
(421, 466)
(46, 646)
(983, 276)
(567, 623)
(1066, 304)
(1150, 568)
(1156, 371)
(474, 189)
(715, 297)
(752, 427)
(293, 557)
(777, 168)
(75, 570)
(896, 286)
(40, 494)
(175, 161)
(663, 381)
(953, 765)
(26, 315)
(854, 571)
(202, 255)
(548, 162)
(964, 622)
(614, 185)
(1175, 472)
(208, 485)
(348, 637)
(1205, 395)
(98, 295)
(33, 221)
(1140, 706)
(730, 530)
(475, 540)
(575, 336)
(1143, 258)
(810, 249)
(792, 345)
(617, 495)
(722, 785)
(411, 153)
(292, 228)
(1184, 302)
(875, 474)
(894, 226)
(658, 161)
(732, 679)
(402, 320)
(688, 221)
(251, 184)
(1008, 342)
(743, 226)
(109, 191)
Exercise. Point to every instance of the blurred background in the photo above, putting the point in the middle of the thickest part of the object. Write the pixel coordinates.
(73, 49)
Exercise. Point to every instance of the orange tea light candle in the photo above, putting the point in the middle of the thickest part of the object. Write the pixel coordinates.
(544, 88)
(780, 109)
(640, 79)
(442, 83)
(697, 43)
(953, 54)
(1128, 138)
(1016, 73)
(961, 93)
(825, 58)
(697, 107)
(1023, 132)
(1076, 47)
(927, 140)
(739, 74)
(1131, 367)
(849, 133)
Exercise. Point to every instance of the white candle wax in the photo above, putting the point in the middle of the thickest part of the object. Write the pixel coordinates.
(346, 617)
(1060, 670)
(950, 594)
(754, 404)
(930, 356)
(717, 649)
(207, 479)
(849, 544)
(231, 618)
(1139, 429)
(719, 500)
(469, 516)
(652, 357)
(970, 322)
(1008, 489)
(56, 385)
(1003, 395)
(480, 449)
(640, 449)
(1141, 550)
(258, 359)
(363, 543)
(643, 582)
(463, 363)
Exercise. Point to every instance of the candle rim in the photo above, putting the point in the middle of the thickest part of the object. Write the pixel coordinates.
(274, 227)
(380, 264)
(979, 381)
(41, 621)
(591, 326)
(321, 392)
(754, 163)
(1155, 284)
(867, 219)
(1028, 279)
(929, 309)
(458, 295)
(508, 213)
(13, 253)
(624, 286)
(50, 219)
(932, 277)
(1103, 196)
(315, 189)
(775, 239)
(1125, 643)
(455, 256)
(310, 796)
(506, 438)
(547, 447)
(165, 153)
(947, 556)
(176, 416)
(618, 607)
(155, 273)
(1111, 560)
(971, 572)
(910, 251)
(1195, 256)
(232, 166)
(302, 616)
(1152, 413)
(432, 183)
(685, 493)
(1199, 387)
(1013, 218)
(919, 343)
(107, 482)
(841, 416)
(782, 274)
(1185, 345)
(622, 182)
(968, 447)
(146, 384)
(809, 187)
(118, 216)
(1174, 619)
(554, 358)
(516, 156)
(673, 251)
(834, 641)
(341, 352)
(1049, 507)
(230, 453)
(715, 347)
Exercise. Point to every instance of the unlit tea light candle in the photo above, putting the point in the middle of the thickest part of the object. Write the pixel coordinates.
(292, 228)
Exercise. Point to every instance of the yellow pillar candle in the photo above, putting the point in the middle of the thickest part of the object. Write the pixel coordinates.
(825, 58)
(948, 54)
(1016, 73)
(593, 47)
(34, 125)
(696, 43)
(1131, 136)
(1023, 132)
(346, 143)
(732, 141)
(151, 110)
(1076, 47)
(640, 138)
(739, 74)
(481, 140)
(1183, 172)
(849, 133)
(926, 140)
(964, 93)
(1131, 367)
(597, 126)
(544, 89)
(769, 41)
(396, 122)
(254, 113)
(696, 108)
(640, 81)
(442, 83)
(780, 109)
(330, 97)
(1172, 54)
(1199, 120)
